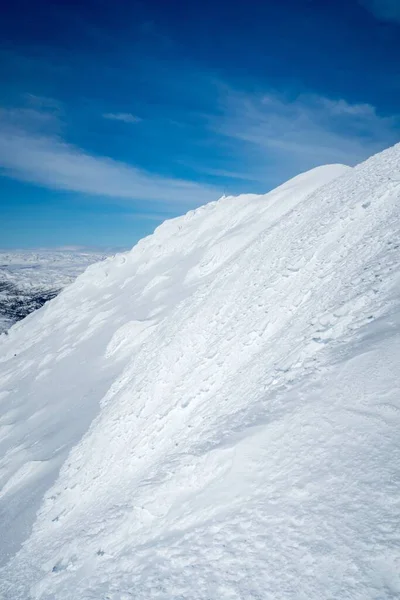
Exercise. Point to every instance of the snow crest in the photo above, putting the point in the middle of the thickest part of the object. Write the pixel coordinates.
(215, 414)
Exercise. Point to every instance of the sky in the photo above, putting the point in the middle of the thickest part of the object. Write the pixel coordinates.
(117, 115)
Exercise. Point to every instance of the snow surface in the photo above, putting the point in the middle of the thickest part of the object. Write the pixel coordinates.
(223, 403)
(28, 278)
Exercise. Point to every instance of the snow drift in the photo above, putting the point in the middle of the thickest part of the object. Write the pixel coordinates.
(215, 414)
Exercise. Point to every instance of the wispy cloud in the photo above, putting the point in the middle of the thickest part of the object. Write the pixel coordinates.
(245, 143)
(218, 172)
(43, 102)
(124, 117)
(384, 10)
(30, 152)
(281, 136)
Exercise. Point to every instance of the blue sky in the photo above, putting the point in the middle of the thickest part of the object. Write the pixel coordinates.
(115, 116)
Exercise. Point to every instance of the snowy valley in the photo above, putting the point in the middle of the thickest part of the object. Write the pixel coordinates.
(215, 414)
(28, 279)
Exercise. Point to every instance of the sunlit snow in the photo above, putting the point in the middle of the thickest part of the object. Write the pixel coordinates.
(223, 403)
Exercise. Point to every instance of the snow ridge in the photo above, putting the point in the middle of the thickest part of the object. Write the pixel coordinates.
(223, 402)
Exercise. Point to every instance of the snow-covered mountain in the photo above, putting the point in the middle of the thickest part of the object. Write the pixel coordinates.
(28, 279)
(215, 414)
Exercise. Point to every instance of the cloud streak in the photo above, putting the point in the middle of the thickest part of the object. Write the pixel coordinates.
(46, 159)
(384, 10)
(280, 136)
(124, 117)
(251, 143)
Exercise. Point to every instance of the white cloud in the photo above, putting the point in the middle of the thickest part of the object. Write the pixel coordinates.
(280, 136)
(45, 159)
(43, 102)
(29, 119)
(341, 107)
(384, 10)
(256, 141)
(124, 117)
(224, 173)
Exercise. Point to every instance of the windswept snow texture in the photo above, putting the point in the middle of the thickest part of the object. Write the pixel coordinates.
(223, 402)
(28, 279)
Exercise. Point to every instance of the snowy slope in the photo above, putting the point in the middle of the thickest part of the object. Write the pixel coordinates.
(238, 373)
(28, 279)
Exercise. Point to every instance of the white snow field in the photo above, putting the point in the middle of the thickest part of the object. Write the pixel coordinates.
(215, 414)
(29, 277)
